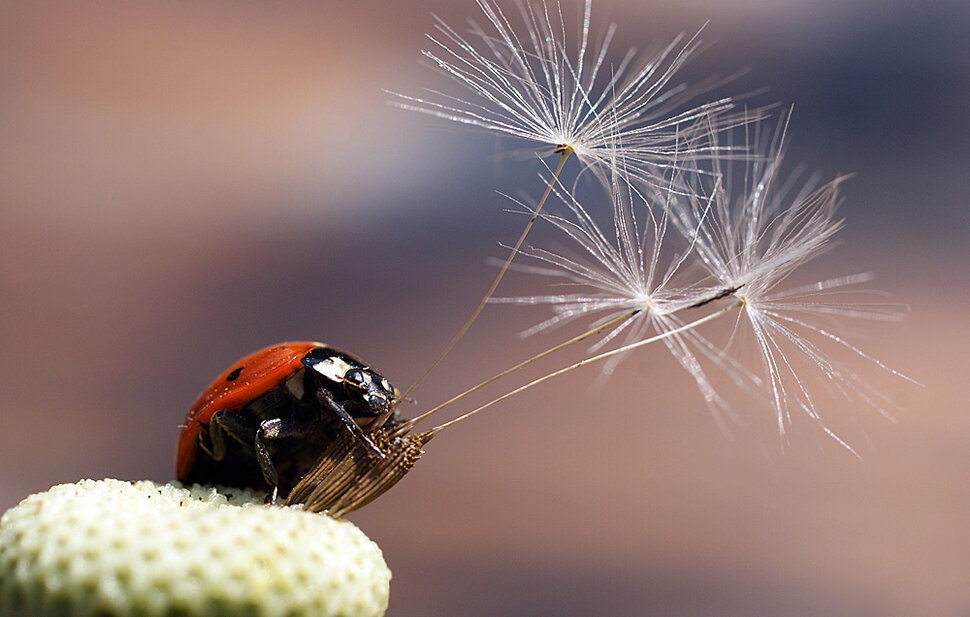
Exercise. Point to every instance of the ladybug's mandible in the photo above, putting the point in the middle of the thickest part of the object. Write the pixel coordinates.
(264, 422)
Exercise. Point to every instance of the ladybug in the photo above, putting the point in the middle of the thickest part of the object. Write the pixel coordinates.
(264, 422)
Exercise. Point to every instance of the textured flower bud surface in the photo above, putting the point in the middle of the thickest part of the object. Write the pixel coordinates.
(106, 548)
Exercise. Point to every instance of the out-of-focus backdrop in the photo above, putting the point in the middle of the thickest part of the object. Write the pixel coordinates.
(182, 183)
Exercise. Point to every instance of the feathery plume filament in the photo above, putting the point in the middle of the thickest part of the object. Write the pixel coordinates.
(530, 85)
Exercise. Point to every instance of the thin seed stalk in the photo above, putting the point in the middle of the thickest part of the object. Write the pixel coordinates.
(590, 360)
(408, 425)
(564, 153)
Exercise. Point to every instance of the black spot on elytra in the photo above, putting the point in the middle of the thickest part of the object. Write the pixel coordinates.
(234, 374)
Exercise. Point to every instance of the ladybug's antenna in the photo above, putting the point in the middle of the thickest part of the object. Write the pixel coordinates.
(407, 426)
(564, 151)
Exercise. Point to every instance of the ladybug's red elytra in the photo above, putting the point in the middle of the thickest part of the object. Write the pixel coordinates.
(264, 422)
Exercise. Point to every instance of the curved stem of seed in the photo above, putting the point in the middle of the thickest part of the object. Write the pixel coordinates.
(408, 425)
(564, 153)
(590, 360)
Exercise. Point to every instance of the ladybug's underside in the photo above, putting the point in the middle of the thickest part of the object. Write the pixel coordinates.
(292, 456)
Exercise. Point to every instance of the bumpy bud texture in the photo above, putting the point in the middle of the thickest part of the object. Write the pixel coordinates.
(111, 548)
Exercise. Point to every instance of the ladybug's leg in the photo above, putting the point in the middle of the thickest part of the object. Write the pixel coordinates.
(349, 422)
(266, 466)
(275, 428)
(223, 424)
(228, 424)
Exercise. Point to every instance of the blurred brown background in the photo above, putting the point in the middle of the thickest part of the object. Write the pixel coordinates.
(182, 183)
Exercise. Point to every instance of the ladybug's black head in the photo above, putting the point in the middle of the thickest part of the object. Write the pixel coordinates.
(375, 392)
(363, 392)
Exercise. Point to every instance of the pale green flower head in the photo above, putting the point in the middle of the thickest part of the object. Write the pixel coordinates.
(111, 548)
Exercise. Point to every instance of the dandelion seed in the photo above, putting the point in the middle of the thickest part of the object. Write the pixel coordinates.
(626, 276)
(529, 82)
(533, 86)
(791, 337)
(767, 229)
(750, 243)
(660, 156)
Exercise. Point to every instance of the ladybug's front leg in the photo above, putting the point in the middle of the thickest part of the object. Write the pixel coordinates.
(346, 419)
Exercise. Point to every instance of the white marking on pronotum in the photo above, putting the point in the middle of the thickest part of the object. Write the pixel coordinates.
(333, 368)
(386, 384)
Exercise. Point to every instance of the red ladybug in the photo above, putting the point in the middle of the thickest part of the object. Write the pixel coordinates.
(264, 422)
